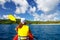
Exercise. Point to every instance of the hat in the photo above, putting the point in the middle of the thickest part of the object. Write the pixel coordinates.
(22, 20)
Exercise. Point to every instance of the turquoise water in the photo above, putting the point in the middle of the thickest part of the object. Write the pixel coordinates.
(40, 32)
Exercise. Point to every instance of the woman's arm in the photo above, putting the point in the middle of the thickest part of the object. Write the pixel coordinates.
(19, 26)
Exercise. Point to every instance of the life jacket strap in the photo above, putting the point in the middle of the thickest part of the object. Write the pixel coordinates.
(23, 38)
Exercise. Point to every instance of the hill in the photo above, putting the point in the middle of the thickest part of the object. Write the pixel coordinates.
(7, 21)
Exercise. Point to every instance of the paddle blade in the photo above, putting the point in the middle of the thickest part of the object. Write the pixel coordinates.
(12, 18)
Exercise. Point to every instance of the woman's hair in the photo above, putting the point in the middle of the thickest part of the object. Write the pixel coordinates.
(25, 23)
(20, 25)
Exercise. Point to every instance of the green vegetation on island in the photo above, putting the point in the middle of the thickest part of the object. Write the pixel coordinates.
(7, 21)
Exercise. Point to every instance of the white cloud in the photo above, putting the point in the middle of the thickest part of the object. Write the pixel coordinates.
(45, 17)
(5, 16)
(32, 10)
(17, 10)
(1, 17)
(17, 17)
(23, 6)
(2, 3)
(46, 5)
(20, 10)
(20, 2)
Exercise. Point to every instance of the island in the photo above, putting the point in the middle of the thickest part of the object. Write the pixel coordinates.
(7, 21)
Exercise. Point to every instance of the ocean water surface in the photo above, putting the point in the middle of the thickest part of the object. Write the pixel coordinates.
(40, 32)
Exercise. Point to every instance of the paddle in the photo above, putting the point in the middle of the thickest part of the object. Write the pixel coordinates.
(11, 17)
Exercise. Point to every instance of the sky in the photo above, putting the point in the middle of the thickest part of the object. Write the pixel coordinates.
(34, 10)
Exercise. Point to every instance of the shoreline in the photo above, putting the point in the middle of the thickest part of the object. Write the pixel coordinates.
(45, 24)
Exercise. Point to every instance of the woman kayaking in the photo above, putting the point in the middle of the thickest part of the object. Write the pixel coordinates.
(23, 31)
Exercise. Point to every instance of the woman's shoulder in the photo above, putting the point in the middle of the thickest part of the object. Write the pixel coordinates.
(25, 25)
